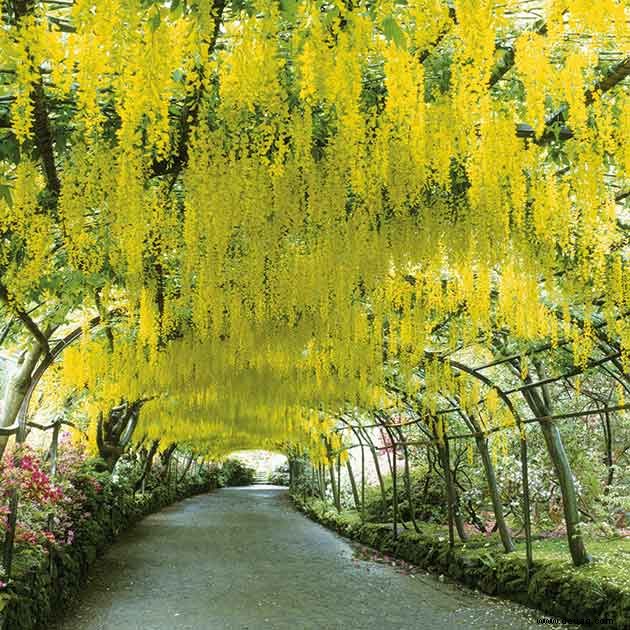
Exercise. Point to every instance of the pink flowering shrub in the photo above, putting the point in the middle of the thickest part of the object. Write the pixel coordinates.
(63, 521)
(48, 509)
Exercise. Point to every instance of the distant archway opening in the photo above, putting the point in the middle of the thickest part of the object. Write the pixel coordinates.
(269, 467)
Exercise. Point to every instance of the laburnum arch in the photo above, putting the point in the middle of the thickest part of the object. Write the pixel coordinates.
(282, 213)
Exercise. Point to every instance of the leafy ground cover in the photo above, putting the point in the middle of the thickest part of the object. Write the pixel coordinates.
(598, 592)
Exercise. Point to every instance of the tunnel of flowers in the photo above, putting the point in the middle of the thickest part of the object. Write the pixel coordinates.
(388, 239)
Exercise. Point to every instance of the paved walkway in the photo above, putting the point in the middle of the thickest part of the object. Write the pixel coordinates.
(244, 558)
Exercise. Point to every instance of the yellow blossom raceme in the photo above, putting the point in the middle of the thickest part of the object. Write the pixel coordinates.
(536, 72)
(309, 205)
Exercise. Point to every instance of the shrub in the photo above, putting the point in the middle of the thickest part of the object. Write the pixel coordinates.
(280, 476)
(429, 498)
(63, 525)
(236, 473)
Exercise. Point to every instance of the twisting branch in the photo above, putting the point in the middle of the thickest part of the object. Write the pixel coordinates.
(40, 120)
(28, 322)
(104, 317)
(426, 53)
(34, 329)
(190, 110)
(506, 63)
(43, 137)
(616, 75)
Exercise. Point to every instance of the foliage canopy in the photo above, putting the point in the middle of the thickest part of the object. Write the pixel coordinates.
(278, 208)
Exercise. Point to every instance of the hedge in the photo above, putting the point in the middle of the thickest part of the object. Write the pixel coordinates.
(40, 587)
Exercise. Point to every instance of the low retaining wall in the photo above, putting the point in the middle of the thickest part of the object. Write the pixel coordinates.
(41, 588)
(556, 591)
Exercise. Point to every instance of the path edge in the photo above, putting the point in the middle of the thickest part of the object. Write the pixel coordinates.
(564, 597)
(39, 595)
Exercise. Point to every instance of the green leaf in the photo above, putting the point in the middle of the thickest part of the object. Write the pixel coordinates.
(393, 32)
(289, 9)
(154, 20)
(9, 149)
(4, 600)
(5, 193)
(243, 5)
(177, 8)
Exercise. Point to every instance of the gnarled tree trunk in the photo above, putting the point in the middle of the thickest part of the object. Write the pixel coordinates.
(17, 389)
(148, 463)
(114, 433)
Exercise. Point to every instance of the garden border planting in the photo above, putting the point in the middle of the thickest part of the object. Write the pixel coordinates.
(41, 588)
(569, 595)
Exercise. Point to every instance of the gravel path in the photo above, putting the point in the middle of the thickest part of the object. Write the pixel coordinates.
(244, 558)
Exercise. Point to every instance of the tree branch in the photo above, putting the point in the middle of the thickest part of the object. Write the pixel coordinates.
(30, 324)
(41, 122)
(190, 111)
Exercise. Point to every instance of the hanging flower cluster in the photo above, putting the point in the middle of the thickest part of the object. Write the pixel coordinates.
(282, 199)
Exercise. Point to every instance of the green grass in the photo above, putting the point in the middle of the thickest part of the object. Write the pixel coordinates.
(611, 558)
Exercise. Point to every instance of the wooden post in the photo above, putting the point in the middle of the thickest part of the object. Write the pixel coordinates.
(313, 479)
(54, 447)
(362, 482)
(446, 463)
(169, 475)
(14, 498)
(322, 482)
(526, 504)
(10, 533)
(339, 483)
(395, 489)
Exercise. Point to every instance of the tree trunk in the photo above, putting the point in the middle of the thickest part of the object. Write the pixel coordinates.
(608, 437)
(408, 485)
(186, 469)
(453, 498)
(321, 481)
(114, 433)
(336, 497)
(493, 489)
(353, 484)
(17, 389)
(147, 464)
(540, 404)
(564, 474)
(377, 466)
(166, 457)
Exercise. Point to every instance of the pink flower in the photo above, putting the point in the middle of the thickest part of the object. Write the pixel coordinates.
(3, 585)
(27, 537)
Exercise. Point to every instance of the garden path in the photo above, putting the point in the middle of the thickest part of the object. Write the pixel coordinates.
(244, 558)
